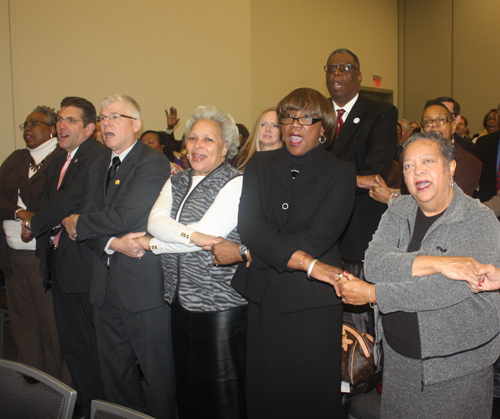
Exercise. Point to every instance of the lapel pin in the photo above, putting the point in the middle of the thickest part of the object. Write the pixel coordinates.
(75, 161)
(117, 182)
(356, 120)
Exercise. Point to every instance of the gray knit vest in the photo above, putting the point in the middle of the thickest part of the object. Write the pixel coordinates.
(200, 285)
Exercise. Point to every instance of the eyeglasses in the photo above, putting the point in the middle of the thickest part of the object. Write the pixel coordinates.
(303, 120)
(344, 68)
(69, 120)
(440, 120)
(33, 123)
(114, 117)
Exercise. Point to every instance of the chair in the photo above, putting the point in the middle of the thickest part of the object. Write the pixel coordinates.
(28, 393)
(106, 410)
(3, 319)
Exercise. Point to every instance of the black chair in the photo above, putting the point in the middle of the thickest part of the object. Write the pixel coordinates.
(4, 317)
(106, 410)
(28, 393)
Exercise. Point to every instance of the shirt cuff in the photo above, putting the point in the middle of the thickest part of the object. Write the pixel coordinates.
(107, 250)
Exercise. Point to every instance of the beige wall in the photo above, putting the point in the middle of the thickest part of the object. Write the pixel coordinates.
(449, 48)
(241, 55)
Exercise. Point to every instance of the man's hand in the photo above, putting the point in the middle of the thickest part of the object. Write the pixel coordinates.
(69, 224)
(128, 246)
(368, 181)
(24, 215)
(172, 119)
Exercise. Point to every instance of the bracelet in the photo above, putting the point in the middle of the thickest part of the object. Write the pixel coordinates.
(15, 214)
(394, 195)
(370, 296)
(302, 260)
(311, 266)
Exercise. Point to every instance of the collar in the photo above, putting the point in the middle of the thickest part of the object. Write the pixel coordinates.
(43, 150)
(347, 108)
(124, 153)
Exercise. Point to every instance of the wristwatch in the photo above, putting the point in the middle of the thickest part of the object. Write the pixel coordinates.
(243, 252)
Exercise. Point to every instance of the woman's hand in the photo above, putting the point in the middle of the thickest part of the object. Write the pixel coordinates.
(490, 277)
(326, 273)
(226, 252)
(205, 241)
(454, 267)
(355, 291)
(143, 241)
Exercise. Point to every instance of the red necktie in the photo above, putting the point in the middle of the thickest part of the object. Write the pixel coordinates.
(340, 122)
(55, 241)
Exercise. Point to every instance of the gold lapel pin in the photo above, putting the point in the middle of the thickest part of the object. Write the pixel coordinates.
(117, 182)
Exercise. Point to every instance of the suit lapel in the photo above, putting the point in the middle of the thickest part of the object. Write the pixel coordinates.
(76, 158)
(346, 133)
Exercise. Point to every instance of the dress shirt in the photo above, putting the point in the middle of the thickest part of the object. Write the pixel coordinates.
(347, 108)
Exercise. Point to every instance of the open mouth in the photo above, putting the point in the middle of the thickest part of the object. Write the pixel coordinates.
(422, 185)
(295, 139)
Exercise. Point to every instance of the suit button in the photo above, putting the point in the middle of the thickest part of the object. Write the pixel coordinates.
(284, 206)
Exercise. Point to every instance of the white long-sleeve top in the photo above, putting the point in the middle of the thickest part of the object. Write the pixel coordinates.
(171, 236)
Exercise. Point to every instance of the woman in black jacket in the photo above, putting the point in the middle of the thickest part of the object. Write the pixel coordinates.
(295, 204)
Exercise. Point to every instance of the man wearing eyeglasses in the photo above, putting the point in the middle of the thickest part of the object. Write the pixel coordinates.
(367, 136)
(131, 316)
(64, 263)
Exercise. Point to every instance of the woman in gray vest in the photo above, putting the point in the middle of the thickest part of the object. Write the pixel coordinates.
(208, 316)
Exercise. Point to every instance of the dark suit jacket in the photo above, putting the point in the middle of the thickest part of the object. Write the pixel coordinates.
(73, 260)
(468, 170)
(467, 145)
(368, 139)
(124, 209)
(278, 216)
(487, 150)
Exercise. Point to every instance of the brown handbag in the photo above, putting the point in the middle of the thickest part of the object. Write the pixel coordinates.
(357, 355)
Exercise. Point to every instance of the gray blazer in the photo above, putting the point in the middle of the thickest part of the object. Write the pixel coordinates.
(459, 331)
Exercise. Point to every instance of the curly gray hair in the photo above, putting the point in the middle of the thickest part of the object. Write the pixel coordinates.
(49, 112)
(229, 131)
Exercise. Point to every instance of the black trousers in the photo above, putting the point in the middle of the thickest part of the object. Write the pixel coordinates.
(123, 338)
(209, 353)
(75, 325)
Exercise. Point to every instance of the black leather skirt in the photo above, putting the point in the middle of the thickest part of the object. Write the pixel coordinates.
(210, 358)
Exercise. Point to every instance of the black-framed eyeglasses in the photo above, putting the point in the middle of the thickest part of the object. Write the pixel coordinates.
(440, 120)
(69, 120)
(32, 123)
(115, 117)
(303, 120)
(344, 68)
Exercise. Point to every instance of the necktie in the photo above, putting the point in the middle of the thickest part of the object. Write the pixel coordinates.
(55, 241)
(340, 122)
(112, 170)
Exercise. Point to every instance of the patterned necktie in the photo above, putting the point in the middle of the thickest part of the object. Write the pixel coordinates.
(55, 240)
(340, 122)
(112, 170)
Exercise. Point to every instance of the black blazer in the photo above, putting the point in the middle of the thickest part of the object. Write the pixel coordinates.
(73, 259)
(278, 216)
(487, 151)
(124, 209)
(368, 139)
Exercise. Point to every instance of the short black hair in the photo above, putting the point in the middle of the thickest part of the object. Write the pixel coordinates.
(456, 105)
(345, 51)
(89, 114)
(435, 102)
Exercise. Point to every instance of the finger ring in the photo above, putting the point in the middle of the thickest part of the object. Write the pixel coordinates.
(340, 275)
(343, 300)
(215, 261)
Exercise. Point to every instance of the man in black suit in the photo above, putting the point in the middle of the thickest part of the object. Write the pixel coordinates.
(64, 263)
(488, 152)
(131, 316)
(367, 136)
